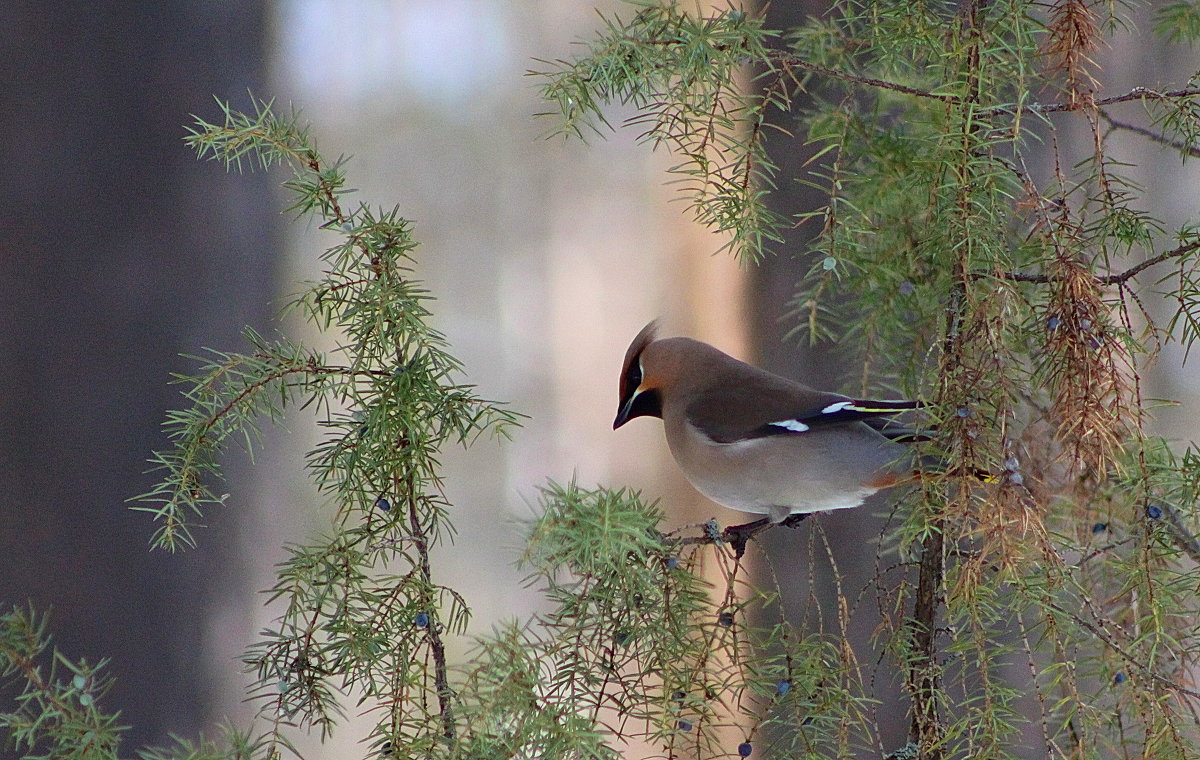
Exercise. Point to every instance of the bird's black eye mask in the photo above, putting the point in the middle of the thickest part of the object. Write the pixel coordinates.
(648, 403)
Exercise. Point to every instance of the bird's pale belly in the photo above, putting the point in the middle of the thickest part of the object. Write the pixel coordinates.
(755, 498)
(761, 476)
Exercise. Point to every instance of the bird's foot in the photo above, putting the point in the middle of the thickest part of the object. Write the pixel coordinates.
(737, 536)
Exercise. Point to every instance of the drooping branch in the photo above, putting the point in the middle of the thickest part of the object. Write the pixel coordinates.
(1111, 279)
(1137, 93)
(788, 60)
(1098, 630)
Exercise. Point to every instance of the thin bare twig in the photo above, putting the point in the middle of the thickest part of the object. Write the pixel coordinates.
(787, 59)
(1181, 534)
(1157, 137)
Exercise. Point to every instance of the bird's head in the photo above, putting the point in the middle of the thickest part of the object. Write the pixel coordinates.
(640, 389)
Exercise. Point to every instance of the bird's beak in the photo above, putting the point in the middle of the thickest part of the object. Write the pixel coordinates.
(623, 412)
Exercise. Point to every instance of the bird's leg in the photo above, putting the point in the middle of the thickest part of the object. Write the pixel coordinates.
(794, 519)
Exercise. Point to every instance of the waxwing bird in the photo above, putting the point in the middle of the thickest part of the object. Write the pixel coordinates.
(757, 442)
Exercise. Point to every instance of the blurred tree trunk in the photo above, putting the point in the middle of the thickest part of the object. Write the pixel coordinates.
(119, 251)
(806, 576)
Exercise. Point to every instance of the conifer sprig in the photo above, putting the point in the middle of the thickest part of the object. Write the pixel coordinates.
(361, 611)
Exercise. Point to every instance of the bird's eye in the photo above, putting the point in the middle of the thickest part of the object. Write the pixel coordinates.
(633, 378)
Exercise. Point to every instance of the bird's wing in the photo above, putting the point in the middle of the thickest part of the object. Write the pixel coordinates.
(735, 414)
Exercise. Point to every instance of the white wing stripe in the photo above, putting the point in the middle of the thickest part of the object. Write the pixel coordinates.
(796, 426)
(837, 407)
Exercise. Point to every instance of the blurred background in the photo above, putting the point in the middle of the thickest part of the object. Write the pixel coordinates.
(119, 251)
